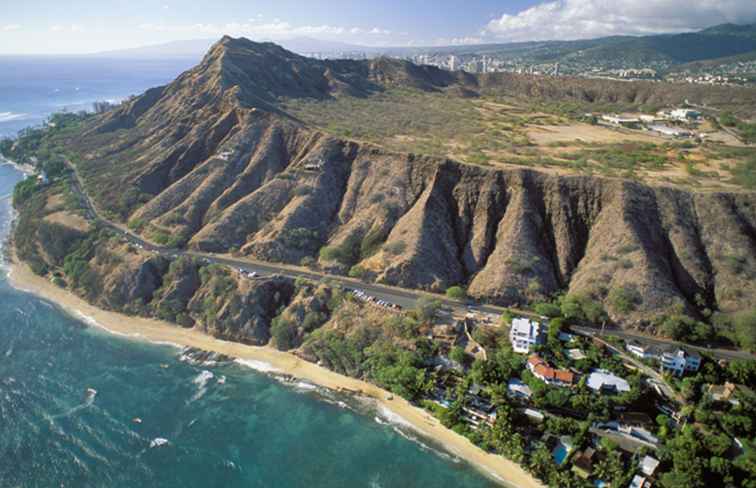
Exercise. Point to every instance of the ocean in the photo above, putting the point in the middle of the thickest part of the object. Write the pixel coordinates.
(31, 88)
(80, 407)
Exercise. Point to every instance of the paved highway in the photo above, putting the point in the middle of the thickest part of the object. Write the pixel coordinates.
(401, 296)
(655, 341)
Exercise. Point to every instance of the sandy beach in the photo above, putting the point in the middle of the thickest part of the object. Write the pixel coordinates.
(498, 468)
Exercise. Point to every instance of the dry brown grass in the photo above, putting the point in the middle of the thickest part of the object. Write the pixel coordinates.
(67, 219)
(543, 135)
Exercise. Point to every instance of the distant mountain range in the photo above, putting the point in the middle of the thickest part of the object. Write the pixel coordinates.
(196, 48)
(664, 50)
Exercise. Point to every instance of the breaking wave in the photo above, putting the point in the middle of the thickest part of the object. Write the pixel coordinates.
(9, 116)
(261, 366)
(201, 380)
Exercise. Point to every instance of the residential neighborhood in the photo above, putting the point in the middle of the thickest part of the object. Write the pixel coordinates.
(605, 414)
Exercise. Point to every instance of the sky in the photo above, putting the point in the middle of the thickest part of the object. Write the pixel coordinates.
(87, 26)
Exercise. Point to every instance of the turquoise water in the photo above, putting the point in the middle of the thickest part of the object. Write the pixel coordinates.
(226, 425)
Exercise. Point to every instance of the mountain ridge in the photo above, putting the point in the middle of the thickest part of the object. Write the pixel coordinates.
(212, 162)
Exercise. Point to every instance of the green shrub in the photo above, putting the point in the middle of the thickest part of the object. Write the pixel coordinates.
(284, 332)
(300, 238)
(346, 253)
(426, 308)
(371, 243)
(744, 173)
(23, 191)
(582, 308)
(625, 299)
(456, 293)
(678, 326)
(357, 271)
(313, 320)
(744, 325)
(457, 354)
(547, 309)
(727, 119)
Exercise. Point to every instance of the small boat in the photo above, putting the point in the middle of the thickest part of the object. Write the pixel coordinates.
(136, 420)
(164, 366)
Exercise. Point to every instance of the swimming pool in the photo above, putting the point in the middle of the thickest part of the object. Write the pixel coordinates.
(560, 453)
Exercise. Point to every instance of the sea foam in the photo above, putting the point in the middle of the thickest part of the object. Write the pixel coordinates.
(158, 441)
(9, 116)
(201, 381)
(261, 366)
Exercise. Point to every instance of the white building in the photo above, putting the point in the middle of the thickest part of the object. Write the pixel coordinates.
(679, 361)
(648, 465)
(666, 130)
(620, 120)
(648, 119)
(641, 350)
(524, 334)
(676, 360)
(453, 63)
(518, 389)
(601, 380)
(685, 114)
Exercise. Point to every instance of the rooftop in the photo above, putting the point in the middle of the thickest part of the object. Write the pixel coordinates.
(648, 465)
(519, 389)
(600, 379)
(525, 326)
(541, 368)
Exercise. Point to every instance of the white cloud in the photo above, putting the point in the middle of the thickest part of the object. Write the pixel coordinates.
(581, 19)
(72, 28)
(9, 27)
(276, 29)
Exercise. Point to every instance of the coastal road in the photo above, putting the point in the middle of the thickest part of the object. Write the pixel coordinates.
(728, 354)
(406, 298)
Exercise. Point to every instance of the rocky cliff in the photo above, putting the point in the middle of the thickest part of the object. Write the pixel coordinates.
(210, 162)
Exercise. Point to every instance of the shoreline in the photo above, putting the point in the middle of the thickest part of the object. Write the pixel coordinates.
(495, 467)
(26, 169)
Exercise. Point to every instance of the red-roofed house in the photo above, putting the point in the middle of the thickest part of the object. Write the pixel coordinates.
(549, 375)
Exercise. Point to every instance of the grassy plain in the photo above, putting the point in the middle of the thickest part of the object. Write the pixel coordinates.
(511, 132)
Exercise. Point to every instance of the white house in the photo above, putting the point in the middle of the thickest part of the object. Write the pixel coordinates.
(601, 380)
(685, 114)
(648, 465)
(518, 389)
(524, 334)
(642, 351)
(679, 361)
